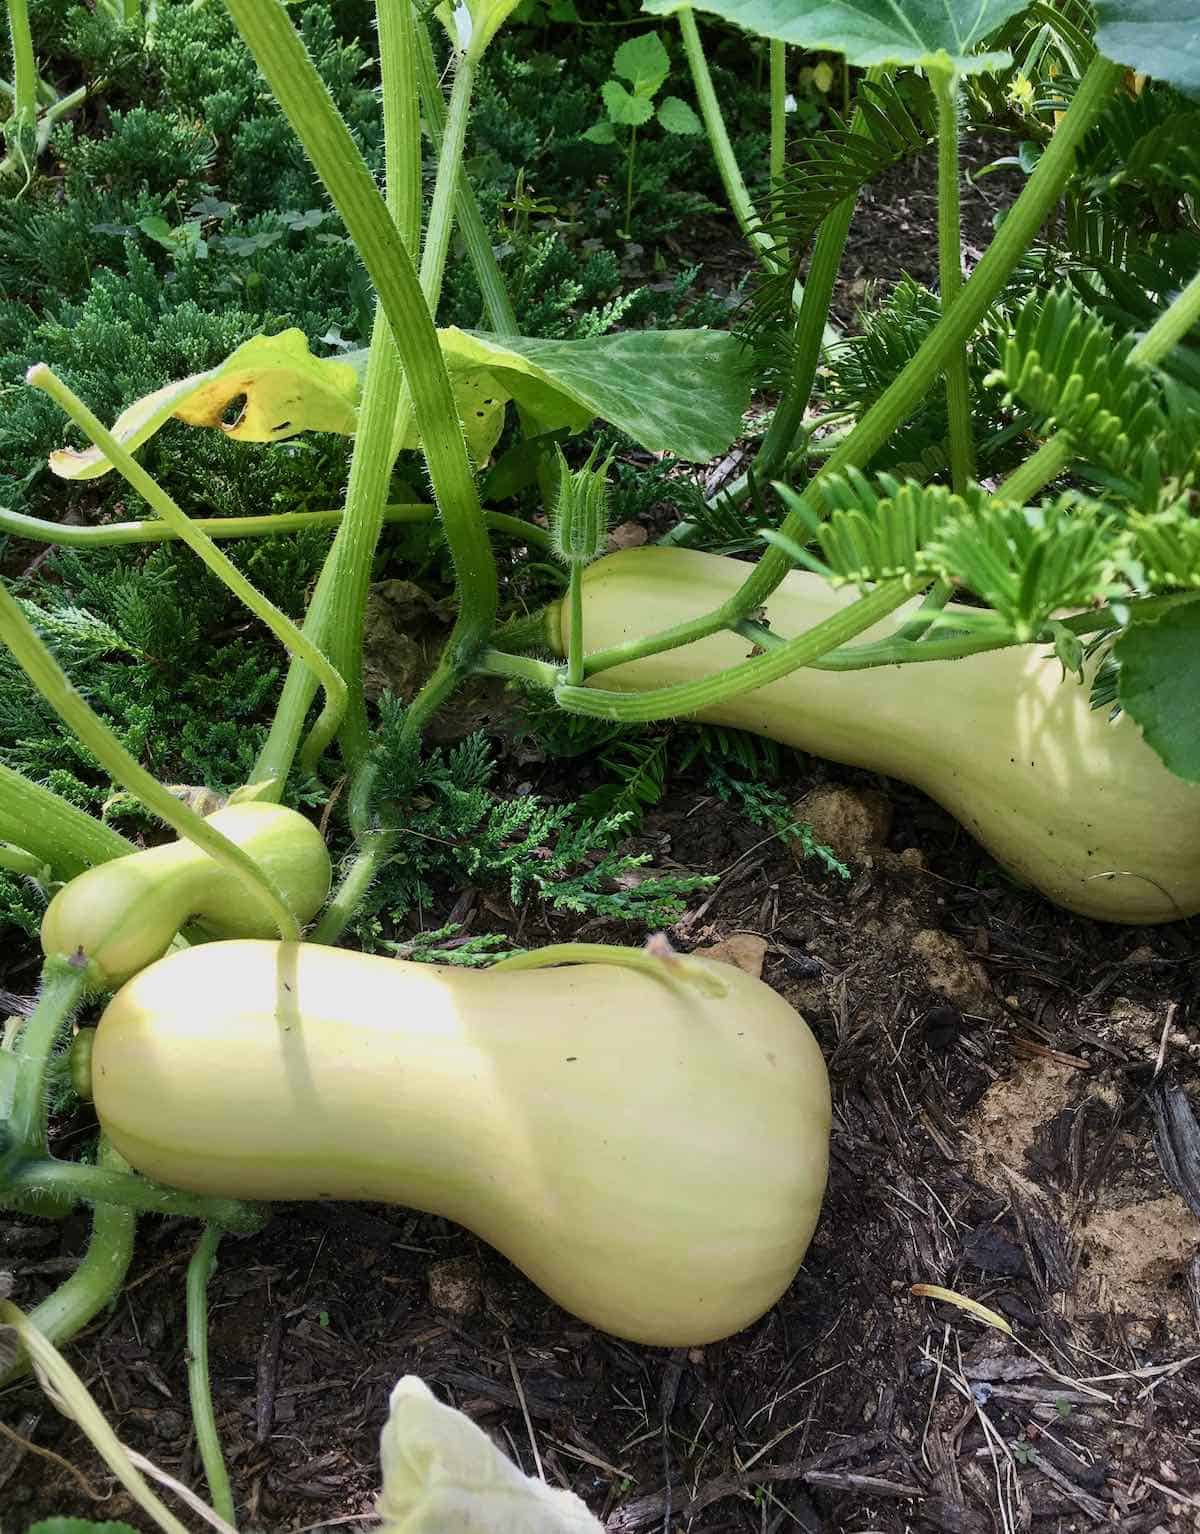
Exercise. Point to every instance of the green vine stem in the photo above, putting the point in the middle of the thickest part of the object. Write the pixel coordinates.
(693, 697)
(958, 393)
(64, 983)
(673, 969)
(97, 1280)
(113, 534)
(208, 1440)
(898, 401)
(289, 635)
(778, 50)
(15, 860)
(524, 668)
(357, 880)
(808, 333)
(65, 838)
(375, 448)
(498, 306)
(98, 1185)
(55, 687)
(20, 128)
(284, 61)
(1169, 329)
(710, 110)
(68, 1391)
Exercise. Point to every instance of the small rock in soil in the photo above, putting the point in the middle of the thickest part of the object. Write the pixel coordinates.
(854, 822)
(455, 1286)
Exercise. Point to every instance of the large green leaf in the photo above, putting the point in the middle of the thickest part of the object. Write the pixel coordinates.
(673, 391)
(1156, 37)
(1160, 685)
(681, 392)
(874, 31)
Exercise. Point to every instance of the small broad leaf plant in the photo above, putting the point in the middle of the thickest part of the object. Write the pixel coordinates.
(643, 64)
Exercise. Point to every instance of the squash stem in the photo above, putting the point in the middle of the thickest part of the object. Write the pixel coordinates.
(114, 534)
(64, 983)
(958, 394)
(522, 668)
(288, 634)
(98, 1185)
(359, 877)
(778, 51)
(675, 969)
(304, 100)
(65, 838)
(575, 638)
(758, 671)
(1026, 216)
(208, 1440)
(15, 860)
(52, 683)
(97, 1280)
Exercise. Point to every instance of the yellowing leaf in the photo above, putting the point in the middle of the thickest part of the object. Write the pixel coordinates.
(283, 387)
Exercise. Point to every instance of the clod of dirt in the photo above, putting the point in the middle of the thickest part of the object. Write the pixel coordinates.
(854, 822)
(627, 535)
(455, 1286)
(1135, 1254)
(744, 950)
(950, 972)
(1006, 1120)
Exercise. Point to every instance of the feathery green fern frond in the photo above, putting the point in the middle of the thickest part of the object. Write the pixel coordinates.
(1029, 562)
(1168, 543)
(1073, 369)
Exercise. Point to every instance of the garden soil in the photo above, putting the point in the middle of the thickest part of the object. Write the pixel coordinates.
(1012, 1123)
(1004, 1081)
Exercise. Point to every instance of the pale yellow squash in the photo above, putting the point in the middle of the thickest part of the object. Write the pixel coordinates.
(653, 1157)
(1078, 807)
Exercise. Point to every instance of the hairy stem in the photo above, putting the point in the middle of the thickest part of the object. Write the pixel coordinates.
(758, 671)
(306, 103)
(64, 982)
(97, 1185)
(288, 634)
(55, 687)
(958, 394)
(208, 1440)
(778, 119)
(65, 838)
(97, 1280)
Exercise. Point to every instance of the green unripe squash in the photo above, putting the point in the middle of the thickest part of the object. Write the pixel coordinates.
(124, 914)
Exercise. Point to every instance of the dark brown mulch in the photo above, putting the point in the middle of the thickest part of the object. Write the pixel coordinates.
(997, 1089)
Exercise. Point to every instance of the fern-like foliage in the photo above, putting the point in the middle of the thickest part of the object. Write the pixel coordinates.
(1028, 563)
(878, 531)
(1168, 543)
(898, 121)
(1071, 368)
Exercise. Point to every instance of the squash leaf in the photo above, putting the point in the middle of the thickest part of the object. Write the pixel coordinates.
(1160, 38)
(1159, 685)
(285, 390)
(680, 392)
(865, 32)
